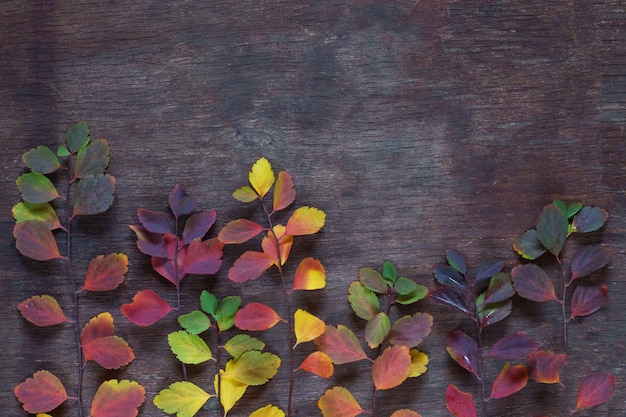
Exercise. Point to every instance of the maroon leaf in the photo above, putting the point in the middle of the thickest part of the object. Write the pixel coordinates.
(100, 345)
(42, 393)
(180, 202)
(495, 312)
(34, 240)
(250, 265)
(544, 366)
(451, 297)
(171, 267)
(256, 316)
(448, 276)
(588, 300)
(106, 273)
(42, 310)
(552, 229)
(464, 350)
(93, 194)
(410, 330)
(514, 346)
(510, 380)
(149, 243)
(154, 221)
(197, 225)
(589, 219)
(589, 259)
(500, 288)
(532, 283)
(594, 390)
(460, 403)
(146, 309)
(239, 231)
(203, 257)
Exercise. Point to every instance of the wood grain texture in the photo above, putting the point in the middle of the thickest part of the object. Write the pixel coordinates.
(416, 125)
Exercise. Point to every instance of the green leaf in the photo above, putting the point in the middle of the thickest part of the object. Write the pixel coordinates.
(92, 159)
(241, 343)
(94, 195)
(552, 229)
(253, 367)
(529, 246)
(36, 188)
(363, 301)
(62, 151)
(77, 137)
(573, 209)
(561, 205)
(390, 273)
(226, 312)
(377, 330)
(189, 348)
(183, 398)
(417, 294)
(404, 286)
(41, 159)
(372, 279)
(208, 302)
(41, 212)
(195, 322)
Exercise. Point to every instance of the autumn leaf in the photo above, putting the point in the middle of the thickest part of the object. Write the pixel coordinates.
(307, 327)
(594, 390)
(338, 402)
(552, 229)
(419, 360)
(172, 266)
(510, 380)
(239, 231)
(256, 316)
(118, 399)
(250, 265)
(514, 346)
(372, 280)
(588, 300)
(310, 275)
(203, 256)
(456, 261)
(529, 246)
(36, 188)
(410, 330)
(149, 243)
(340, 344)
(180, 202)
(305, 221)
(245, 194)
(363, 301)
(230, 391)
(277, 245)
(450, 297)
(41, 212)
(268, 411)
(189, 348)
(460, 403)
(284, 192)
(318, 363)
(41, 159)
(589, 259)
(544, 366)
(154, 221)
(100, 345)
(391, 368)
(261, 177)
(532, 283)
(93, 194)
(92, 159)
(34, 240)
(77, 136)
(241, 343)
(405, 413)
(42, 393)
(42, 310)
(448, 276)
(589, 219)
(198, 225)
(146, 309)
(183, 398)
(253, 367)
(377, 330)
(464, 350)
(106, 273)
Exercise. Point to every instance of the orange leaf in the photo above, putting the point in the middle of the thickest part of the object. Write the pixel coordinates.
(284, 243)
(307, 326)
(305, 221)
(318, 363)
(405, 413)
(340, 344)
(239, 231)
(42, 393)
(544, 366)
(106, 273)
(510, 380)
(146, 309)
(310, 275)
(256, 316)
(392, 367)
(250, 265)
(42, 310)
(99, 326)
(284, 191)
(339, 402)
(100, 345)
(117, 399)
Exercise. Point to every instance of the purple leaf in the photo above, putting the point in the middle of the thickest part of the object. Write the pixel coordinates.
(149, 243)
(171, 267)
(203, 257)
(495, 312)
(488, 268)
(552, 229)
(532, 283)
(588, 300)
(589, 259)
(198, 225)
(514, 346)
(448, 276)
(464, 350)
(410, 330)
(589, 219)
(180, 202)
(451, 297)
(154, 221)
(456, 261)
(500, 288)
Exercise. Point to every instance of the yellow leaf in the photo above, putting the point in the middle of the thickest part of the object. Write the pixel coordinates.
(268, 411)
(419, 360)
(230, 391)
(310, 275)
(183, 398)
(305, 221)
(261, 177)
(307, 327)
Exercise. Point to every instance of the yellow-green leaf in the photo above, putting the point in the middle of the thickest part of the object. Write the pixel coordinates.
(310, 275)
(377, 330)
(245, 194)
(241, 343)
(253, 367)
(183, 398)
(305, 221)
(307, 326)
(268, 411)
(419, 360)
(261, 177)
(230, 391)
(42, 212)
(189, 348)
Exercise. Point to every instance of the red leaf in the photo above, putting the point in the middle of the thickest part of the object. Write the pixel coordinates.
(595, 390)
(284, 243)
(99, 343)
(514, 346)
(510, 380)
(340, 344)
(391, 368)
(34, 240)
(544, 366)
(318, 363)
(256, 316)
(203, 257)
(42, 310)
(250, 266)
(106, 273)
(464, 350)
(532, 283)
(42, 393)
(239, 231)
(197, 225)
(589, 259)
(180, 202)
(410, 330)
(284, 191)
(588, 300)
(165, 265)
(149, 243)
(339, 402)
(97, 327)
(147, 308)
(154, 221)
(460, 403)
(117, 399)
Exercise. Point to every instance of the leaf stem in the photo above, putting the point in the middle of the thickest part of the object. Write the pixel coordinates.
(218, 368)
(178, 279)
(565, 285)
(481, 360)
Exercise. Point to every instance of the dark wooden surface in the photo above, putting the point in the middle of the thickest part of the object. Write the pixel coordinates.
(416, 125)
